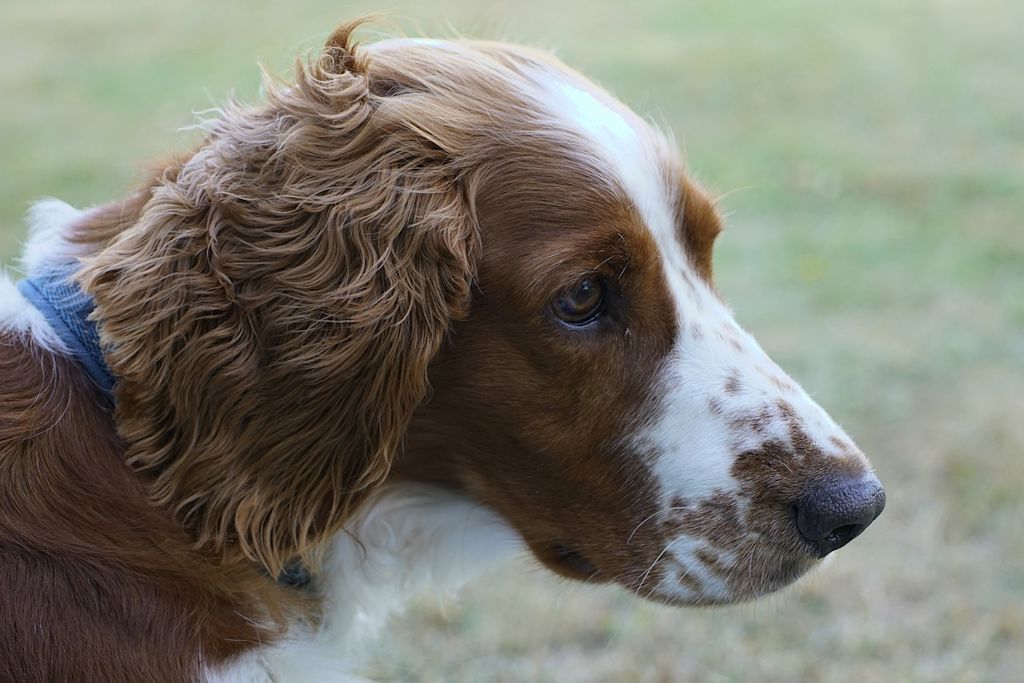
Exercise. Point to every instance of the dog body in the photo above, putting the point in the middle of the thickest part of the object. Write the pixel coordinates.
(432, 304)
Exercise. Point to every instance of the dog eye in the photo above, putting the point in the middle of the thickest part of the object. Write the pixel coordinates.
(581, 303)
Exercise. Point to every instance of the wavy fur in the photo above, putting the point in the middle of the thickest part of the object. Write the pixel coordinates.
(271, 304)
(271, 313)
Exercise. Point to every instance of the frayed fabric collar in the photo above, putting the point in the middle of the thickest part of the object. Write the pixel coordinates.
(67, 309)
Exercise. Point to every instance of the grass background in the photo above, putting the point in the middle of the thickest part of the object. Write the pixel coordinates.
(873, 156)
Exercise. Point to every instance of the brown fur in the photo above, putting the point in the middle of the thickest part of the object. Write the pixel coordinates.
(272, 311)
(275, 306)
(521, 414)
(699, 227)
(98, 585)
(324, 242)
(771, 477)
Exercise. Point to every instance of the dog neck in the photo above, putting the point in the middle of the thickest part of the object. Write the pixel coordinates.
(409, 540)
(68, 310)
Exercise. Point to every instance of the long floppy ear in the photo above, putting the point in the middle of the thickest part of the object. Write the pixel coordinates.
(271, 314)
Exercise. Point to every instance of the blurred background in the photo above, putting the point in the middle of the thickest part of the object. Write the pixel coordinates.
(870, 159)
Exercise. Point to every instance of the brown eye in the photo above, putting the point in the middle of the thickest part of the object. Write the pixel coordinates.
(582, 302)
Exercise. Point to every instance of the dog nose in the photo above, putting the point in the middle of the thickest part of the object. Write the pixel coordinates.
(835, 511)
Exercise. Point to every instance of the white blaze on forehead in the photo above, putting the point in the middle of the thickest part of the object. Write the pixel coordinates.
(634, 156)
(693, 448)
(601, 122)
(630, 149)
(691, 441)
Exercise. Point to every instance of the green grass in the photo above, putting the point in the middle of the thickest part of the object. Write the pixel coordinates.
(873, 159)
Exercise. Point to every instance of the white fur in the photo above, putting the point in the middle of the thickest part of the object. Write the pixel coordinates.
(19, 317)
(692, 446)
(47, 244)
(411, 539)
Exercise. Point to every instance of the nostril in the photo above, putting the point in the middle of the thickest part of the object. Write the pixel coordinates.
(844, 534)
(833, 512)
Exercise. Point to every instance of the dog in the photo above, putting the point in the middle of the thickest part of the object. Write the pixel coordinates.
(430, 305)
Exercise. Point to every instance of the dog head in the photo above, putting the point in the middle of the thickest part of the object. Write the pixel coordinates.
(479, 219)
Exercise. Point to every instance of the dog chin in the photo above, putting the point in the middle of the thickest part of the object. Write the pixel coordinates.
(738, 589)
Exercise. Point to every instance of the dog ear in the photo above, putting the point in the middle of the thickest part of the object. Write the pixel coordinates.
(271, 314)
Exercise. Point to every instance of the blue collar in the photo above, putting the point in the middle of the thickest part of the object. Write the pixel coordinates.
(67, 309)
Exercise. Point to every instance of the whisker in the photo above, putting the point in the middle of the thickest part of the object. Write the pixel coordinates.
(649, 518)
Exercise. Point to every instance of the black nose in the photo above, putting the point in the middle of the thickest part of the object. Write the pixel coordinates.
(835, 511)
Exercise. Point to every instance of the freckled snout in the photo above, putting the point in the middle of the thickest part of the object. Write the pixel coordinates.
(833, 512)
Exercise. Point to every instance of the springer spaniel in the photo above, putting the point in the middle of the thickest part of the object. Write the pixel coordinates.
(429, 305)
